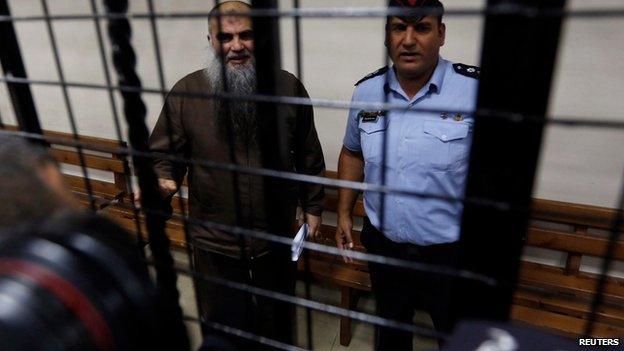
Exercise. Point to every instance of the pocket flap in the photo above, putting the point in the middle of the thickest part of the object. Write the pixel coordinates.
(446, 130)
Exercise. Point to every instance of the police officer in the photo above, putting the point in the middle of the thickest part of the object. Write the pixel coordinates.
(424, 148)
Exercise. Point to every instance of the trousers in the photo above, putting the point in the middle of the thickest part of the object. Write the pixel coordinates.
(253, 313)
(399, 292)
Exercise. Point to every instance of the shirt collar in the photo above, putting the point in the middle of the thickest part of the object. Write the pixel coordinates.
(434, 84)
(437, 79)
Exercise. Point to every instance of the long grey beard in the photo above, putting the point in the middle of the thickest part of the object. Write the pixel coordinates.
(242, 114)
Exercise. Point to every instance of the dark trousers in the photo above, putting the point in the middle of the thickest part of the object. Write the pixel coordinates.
(242, 310)
(399, 291)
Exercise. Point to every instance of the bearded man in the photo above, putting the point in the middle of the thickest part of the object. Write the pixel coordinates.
(231, 131)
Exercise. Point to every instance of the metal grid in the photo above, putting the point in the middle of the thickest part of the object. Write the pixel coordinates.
(130, 89)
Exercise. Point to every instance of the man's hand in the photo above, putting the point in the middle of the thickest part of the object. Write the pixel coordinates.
(344, 241)
(166, 187)
(314, 224)
(350, 167)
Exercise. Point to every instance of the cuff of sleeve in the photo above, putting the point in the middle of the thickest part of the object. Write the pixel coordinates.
(352, 148)
(164, 175)
(316, 210)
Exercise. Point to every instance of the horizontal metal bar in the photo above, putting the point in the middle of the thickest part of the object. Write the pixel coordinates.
(287, 100)
(252, 337)
(334, 251)
(240, 333)
(611, 122)
(319, 306)
(341, 12)
(337, 183)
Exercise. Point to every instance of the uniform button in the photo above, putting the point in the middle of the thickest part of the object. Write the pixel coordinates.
(444, 137)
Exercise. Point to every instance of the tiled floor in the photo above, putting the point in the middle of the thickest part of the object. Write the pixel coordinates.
(326, 333)
(325, 327)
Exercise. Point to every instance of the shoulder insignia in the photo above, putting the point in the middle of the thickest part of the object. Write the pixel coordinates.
(372, 75)
(468, 71)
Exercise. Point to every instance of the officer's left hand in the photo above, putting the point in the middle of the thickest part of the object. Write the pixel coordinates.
(314, 223)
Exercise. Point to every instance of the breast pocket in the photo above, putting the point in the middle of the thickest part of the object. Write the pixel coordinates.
(445, 144)
(372, 139)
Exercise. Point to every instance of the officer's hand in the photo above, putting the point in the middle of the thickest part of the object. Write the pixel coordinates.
(344, 240)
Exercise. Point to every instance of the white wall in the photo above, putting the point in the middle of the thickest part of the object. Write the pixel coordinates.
(585, 164)
(578, 164)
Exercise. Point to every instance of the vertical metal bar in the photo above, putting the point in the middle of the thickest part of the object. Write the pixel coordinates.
(614, 237)
(161, 77)
(124, 60)
(384, 141)
(267, 47)
(298, 46)
(268, 66)
(274, 145)
(68, 106)
(306, 255)
(161, 81)
(181, 204)
(384, 137)
(157, 51)
(308, 296)
(517, 62)
(232, 144)
(117, 124)
(13, 66)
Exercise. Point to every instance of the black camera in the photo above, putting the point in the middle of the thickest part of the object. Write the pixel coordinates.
(78, 282)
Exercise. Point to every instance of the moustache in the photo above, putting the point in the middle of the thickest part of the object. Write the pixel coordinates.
(238, 56)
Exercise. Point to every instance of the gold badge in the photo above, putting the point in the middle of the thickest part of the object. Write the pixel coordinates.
(458, 117)
(370, 116)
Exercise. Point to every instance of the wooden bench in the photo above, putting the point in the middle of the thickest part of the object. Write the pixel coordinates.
(553, 296)
(564, 303)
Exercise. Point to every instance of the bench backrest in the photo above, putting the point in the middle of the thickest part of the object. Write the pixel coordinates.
(112, 162)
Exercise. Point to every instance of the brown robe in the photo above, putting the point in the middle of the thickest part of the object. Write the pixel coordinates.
(264, 203)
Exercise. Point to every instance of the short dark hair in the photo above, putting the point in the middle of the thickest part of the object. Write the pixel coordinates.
(214, 12)
(25, 196)
(17, 150)
(411, 9)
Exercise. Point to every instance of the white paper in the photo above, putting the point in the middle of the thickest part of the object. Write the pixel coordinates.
(297, 245)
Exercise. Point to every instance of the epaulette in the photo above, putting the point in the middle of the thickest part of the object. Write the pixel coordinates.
(468, 71)
(372, 75)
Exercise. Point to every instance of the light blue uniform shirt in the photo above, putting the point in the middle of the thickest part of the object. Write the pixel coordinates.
(427, 152)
